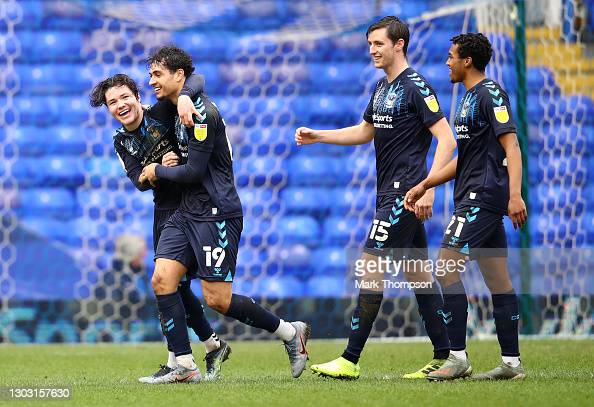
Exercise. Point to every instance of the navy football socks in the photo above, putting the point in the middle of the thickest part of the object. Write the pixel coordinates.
(368, 305)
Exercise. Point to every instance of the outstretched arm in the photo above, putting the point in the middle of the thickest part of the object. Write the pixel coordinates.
(360, 134)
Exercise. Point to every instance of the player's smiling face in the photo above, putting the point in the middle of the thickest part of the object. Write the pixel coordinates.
(381, 48)
(165, 82)
(456, 64)
(124, 106)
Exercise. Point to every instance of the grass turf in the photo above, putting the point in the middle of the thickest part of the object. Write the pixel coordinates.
(560, 372)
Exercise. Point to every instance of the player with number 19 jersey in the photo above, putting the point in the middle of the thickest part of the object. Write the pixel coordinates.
(210, 215)
(401, 112)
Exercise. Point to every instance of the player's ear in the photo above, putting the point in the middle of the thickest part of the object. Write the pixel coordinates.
(180, 75)
(468, 62)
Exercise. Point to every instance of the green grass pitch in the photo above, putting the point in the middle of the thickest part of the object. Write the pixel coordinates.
(560, 372)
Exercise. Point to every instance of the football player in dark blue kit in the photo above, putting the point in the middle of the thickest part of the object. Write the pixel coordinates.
(148, 136)
(488, 174)
(401, 118)
(210, 218)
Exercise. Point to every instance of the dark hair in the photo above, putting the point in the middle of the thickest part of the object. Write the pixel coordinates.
(396, 29)
(476, 46)
(172, 58)
(97, 97)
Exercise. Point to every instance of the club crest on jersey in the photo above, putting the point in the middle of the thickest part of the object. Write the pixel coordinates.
(200, 131)
(501, 114)
(431, 103)
(464, 110)
(390, 100)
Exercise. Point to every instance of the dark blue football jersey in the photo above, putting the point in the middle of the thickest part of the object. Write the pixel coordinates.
(401, 112)
(482, 116)
(148, 144)
(206, 170)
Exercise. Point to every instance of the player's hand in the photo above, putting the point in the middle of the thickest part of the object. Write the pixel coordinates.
(186, 110)
(516, 210)
(412, 196)
(304, 135)
(170, 159)
(424, 206)
(142, 178)
(150, 174)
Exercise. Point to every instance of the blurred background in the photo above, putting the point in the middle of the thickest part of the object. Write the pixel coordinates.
(75, 243)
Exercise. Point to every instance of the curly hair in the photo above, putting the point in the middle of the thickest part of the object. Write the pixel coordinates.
(476, 46)
(97, 96)
(396, 29)
(172, 58)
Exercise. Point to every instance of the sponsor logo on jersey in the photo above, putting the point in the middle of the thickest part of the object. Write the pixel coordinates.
(200, 131)
(432, 103)
(501, 114)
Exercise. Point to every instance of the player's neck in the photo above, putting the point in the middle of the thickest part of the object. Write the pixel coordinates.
(175, 95)
(472, 78)
(396, 69)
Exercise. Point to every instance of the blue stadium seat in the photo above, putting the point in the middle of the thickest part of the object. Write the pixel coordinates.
(58, 79)
(259, 202)
(312, 171)
(340, 78)
(43, 111)
(351, 200)
(333, 110)
(55, 202)
(291, 260)
(260, 141)
(327, 287)
(37, 141)
(259, 171)
(262, 232)
(308, 201)
(49, 172)
(50, 46)
(340, 231)
(333, 261)
(280, 287)
(538, 78)
(203, 46)
(300, 230)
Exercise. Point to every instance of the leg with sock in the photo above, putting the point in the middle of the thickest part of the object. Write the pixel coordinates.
(432, 312)
(196, 318)
(219, 296)
(368, 305)
(455, 304)
(506, 314)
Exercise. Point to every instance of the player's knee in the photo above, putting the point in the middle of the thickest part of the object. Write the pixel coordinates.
(217, 301)
(157, 282)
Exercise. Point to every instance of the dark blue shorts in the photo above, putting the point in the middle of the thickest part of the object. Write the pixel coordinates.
(214, 246)
(476, 232)
(395, 231)
(160, 218)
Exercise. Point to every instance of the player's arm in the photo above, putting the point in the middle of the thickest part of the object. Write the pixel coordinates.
(446, 144)
(193, 86)
(196, 166)
(133, 168)
(360, 134)
(516, 208)
(445, 174)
